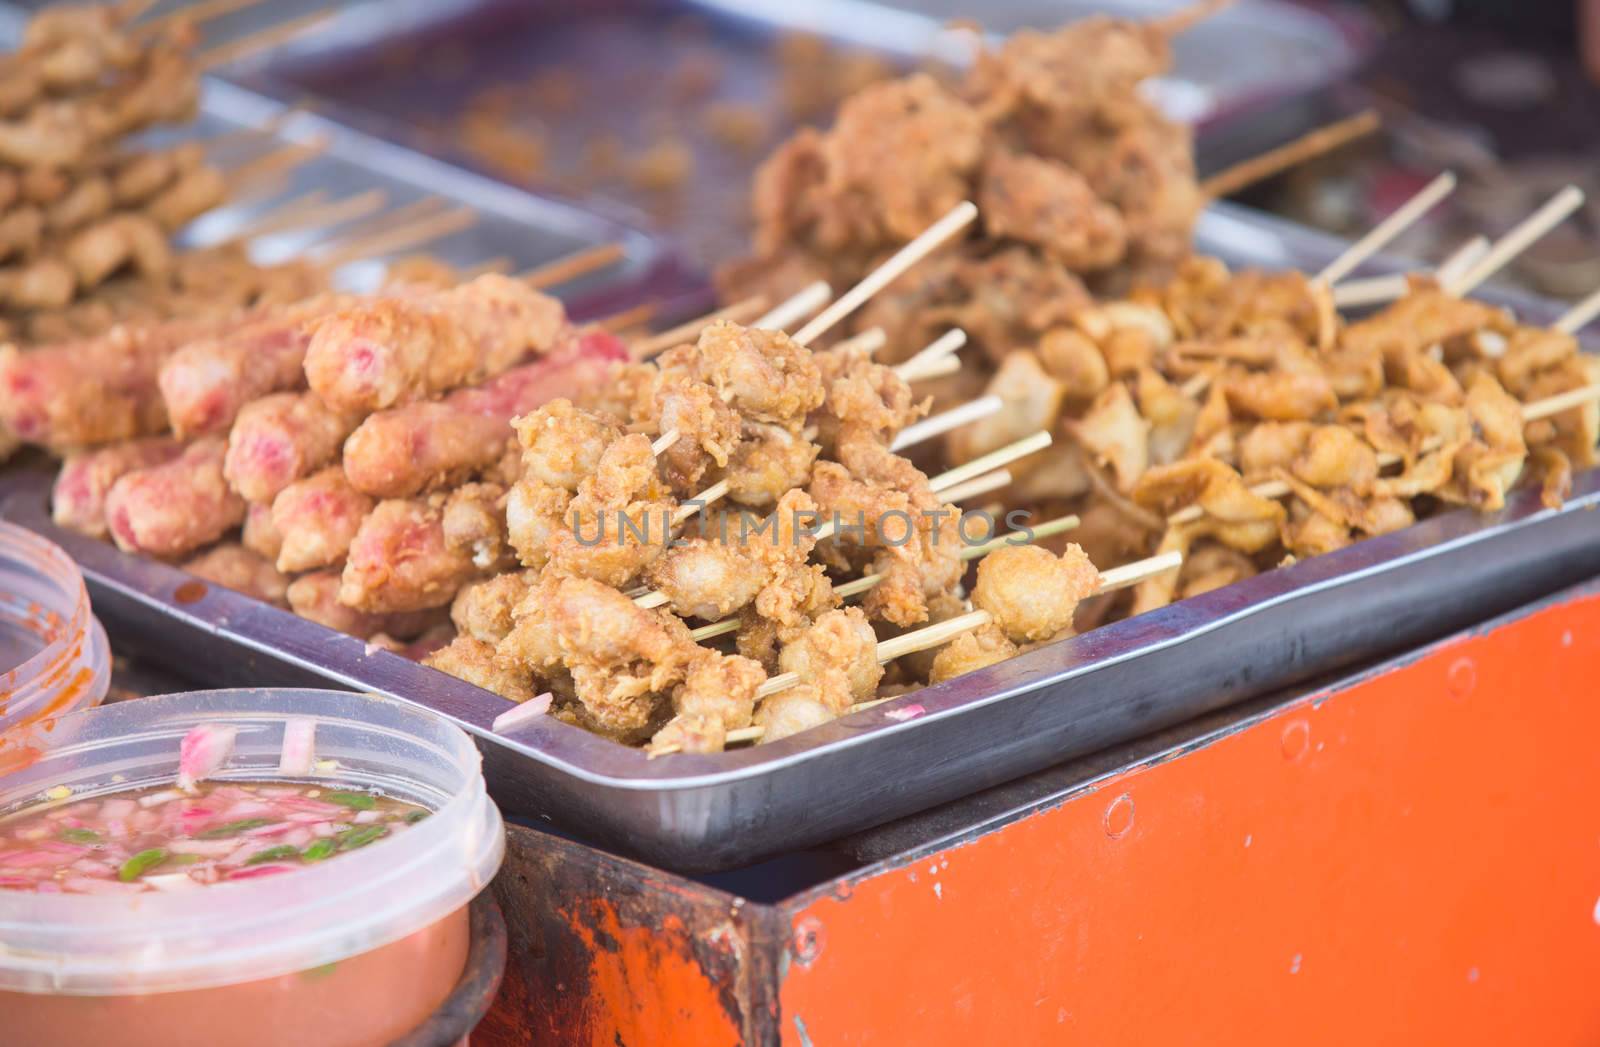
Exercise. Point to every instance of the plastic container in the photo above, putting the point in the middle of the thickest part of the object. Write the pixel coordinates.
(53, 653)
(357, 950)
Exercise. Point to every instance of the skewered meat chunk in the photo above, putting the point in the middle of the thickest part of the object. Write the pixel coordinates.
(1032, 401)
(100, 250)
(534, 511)
(798, 708)
(173, 508)
(419, 447)
(718, 693)
(315, 597)
(78, 499)
(768, 462)
(764, 375)
(707, 430)
(474, 661)
(193, 194)
(1115, 436)
(1235, 515)
(1047, 204)
(1032, 593)
(1336, 457)
(562, 444)
(842, 642)
(206, 383)
(282, 438)
(483, 610)
(706, 578)
(619, 520)
(475, 522)
(232, 566)
(90, 392)
(394, 350)
(317, 518)
(399, 560)
(970, 652)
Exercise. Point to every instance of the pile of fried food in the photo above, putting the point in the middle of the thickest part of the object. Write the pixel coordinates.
(1083, 186)
(79, 204)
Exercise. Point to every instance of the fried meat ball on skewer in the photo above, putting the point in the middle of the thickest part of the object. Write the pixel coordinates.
(1031, 595)
(282, 438)
(175, 507)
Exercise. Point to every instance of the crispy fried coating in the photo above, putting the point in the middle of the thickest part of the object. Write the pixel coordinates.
(1032, 593)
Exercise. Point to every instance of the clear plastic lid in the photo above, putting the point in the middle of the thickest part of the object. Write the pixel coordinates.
(261, 928)
(53, 654)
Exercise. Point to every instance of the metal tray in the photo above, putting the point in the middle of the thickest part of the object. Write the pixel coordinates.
(1112, 685)
(1246, 79)
(527, 228)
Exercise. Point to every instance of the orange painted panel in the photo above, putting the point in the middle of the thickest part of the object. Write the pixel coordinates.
(1414, 859)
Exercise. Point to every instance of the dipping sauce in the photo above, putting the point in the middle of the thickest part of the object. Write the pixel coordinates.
(164, 839)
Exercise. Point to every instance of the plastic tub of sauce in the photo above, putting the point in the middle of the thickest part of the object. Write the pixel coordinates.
(53, 653)
(351, 937)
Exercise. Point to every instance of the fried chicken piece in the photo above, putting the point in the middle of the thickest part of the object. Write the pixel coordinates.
(705, 578)
(840, 641)
(764, 375)
(620, 520)
(902, 151)
(1424, 317)
(1272, 445)
(483, 610)
(970, 652)
(1530, 351)
(708, 429)
(232, 566)
(474, 661)
(1234, 514)
(718, 694)
(1032, 593)
(562, 443)
(768, 461)
(1115, 435)
(1212, 566)
(474, 522)
(1171, 414)
(1336, 457)
(258, 535)
(534, 511)
(797, 709)
(1072, 358)
(1047, 204)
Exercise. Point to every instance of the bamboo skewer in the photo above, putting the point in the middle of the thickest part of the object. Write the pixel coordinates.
(1382, 234)
(313, 213)
(1579, 315)
(278, 162)
(416, 234)
(738, 312)
(579, 263)
(621, 321)
(796, 308)
(926, 242)
(1520, 238)
(1461, 259)
(1323, 140)
(263, 40)
(941, 423)
(382, 224)
(937, 351)
(856, 586)
(942, 633)
(938, 485)
(978, 486)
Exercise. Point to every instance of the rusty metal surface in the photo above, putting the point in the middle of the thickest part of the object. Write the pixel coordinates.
(607, 951)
